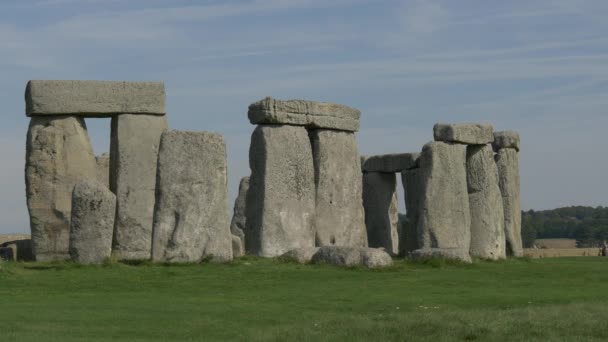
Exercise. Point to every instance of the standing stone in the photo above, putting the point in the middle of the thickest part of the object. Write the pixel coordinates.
(485, 202)
(445, 218)
(134, 152)
(506, 139)
(237, 226)
(507, 161)
(339, 218)
(381, 210)
(191, 220)
(281, 198)
(93, 211)
(58, 155)
(414, 193)
(103, 169)
(396, 162)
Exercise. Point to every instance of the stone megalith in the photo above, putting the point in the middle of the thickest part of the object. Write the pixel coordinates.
(58, 155)
(191, 219)
(507, 160)
(304, 113)
(389, 163)
(93, 98)
(352, 256)
(133, 156)
(339, 218)
(413, 192)
(281, 198)
(445, 218)
(239, 220)
(485, 202)
(92, 225)
(464, 133)
(381, 210)
(506, 139)
(103, 169)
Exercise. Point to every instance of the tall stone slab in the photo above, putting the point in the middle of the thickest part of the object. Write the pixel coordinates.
(281, 198)
(92, 225)
(507, 160)
(58, 155)
(103, 169)
(133, 157)
(414, 193)
(239, 219)
(381, 210)
(445, 218)
(339, 217)
(191, 219)
(485, 202)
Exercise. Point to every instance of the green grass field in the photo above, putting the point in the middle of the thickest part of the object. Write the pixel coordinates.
(563, 299)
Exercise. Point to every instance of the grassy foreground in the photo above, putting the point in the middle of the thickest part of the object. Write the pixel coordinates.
(561, 299)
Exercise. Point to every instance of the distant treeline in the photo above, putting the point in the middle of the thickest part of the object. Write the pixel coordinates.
(587, 225)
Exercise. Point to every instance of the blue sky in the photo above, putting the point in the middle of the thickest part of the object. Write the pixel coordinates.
(538, 67)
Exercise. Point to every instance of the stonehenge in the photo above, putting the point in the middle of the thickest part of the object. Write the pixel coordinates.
(161, 194)
(190, 216)
(338, 219)
(305, 188)
(280, 203)
(92, 223)
(506, 146)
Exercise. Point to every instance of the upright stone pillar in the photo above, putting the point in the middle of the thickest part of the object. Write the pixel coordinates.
(281, 198)
(58, 155)
(339, 217)
(239, 219)
(191, 214)
(506, 145)
(381, 210)
(103, 169)
(414, 193)
(93, 212)
(134, 153)
(485, 201)
(445, 218)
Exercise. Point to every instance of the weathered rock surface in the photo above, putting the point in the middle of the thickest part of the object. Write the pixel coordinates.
(239, 219)
(58, 155)
(300, 255)
(441, 253)
(281, 198)
(352, 256)
(381, 210)
(507, 160)
(134, 153)
(485, 202)
(191, 220)
(92, 225)
(414, 192)
(304, 113)
(506, 139)
(339, 218)
(94, 98)
(103, 169)
(390, 163)
(238, 249)
(445, 217)
(466, 133)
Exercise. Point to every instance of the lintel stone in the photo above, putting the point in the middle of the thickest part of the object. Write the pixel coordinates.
(390, 163)
(94, 98)
(464, 133)
(304, 113)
